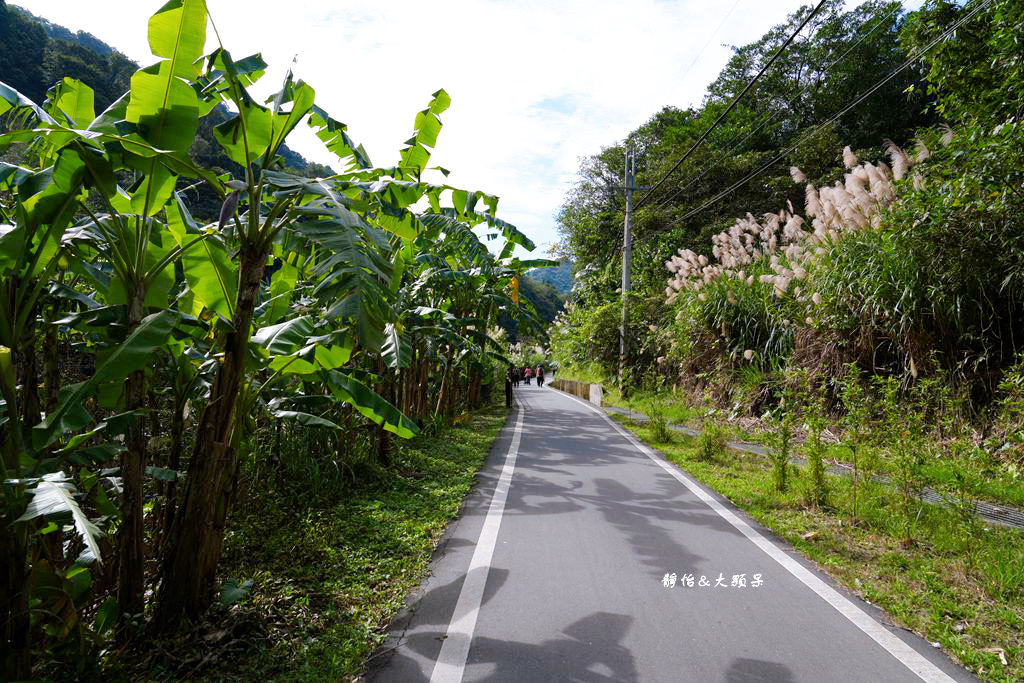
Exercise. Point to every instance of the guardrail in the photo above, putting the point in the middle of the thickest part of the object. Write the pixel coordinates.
(585, 390)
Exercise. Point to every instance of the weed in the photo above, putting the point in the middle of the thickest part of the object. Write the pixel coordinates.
(1003, 567)
(813, 403)
(780, 438)
(712, 443)
(855, 423)
(659, 424)
(899, 433)
(959, 493)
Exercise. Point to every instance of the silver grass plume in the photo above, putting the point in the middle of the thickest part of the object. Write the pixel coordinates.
(900, 161)
(849, 158)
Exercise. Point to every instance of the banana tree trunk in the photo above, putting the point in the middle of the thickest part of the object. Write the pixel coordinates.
(446, 375)
(28, 379)
(51, 366)
(14, 610)
(170, 505)
(421, 386)
(131, 536)
(190, 564)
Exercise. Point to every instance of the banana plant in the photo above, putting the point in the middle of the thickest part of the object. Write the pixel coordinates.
(309, 297)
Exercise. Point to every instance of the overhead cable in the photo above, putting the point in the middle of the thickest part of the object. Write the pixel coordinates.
(835, 118)
(770, 117)
(732, 105)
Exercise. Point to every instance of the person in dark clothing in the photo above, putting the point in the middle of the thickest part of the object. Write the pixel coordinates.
(508, 386)
(540, 375)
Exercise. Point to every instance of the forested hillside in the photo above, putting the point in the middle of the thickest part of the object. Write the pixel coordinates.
(559, 277)
(544, 301)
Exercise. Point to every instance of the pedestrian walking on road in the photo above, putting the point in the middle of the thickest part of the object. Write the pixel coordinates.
(508, 386)
(528, 373)
(540, 375)
(516, 376)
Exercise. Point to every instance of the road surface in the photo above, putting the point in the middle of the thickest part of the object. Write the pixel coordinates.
(572, 561)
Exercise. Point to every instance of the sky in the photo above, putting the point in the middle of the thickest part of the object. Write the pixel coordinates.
(536, 85)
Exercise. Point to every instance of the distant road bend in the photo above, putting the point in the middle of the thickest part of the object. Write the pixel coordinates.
(584, 556)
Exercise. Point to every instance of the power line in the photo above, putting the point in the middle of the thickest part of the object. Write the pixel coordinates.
(835, 118)
(697, 58)
(769, 118)
(733, 104)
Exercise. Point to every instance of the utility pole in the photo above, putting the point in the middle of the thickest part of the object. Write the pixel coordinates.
(629, 187)
(627, 263)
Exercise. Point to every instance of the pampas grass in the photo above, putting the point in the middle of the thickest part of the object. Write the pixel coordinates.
(853, 203)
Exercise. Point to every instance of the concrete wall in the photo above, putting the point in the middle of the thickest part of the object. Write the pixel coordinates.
(588, 392)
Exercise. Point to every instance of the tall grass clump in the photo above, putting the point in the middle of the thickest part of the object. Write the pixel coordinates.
(940, 284)
(856, 426)
(901, 436)
(659, 423)
(915, 263)
(780, 440)
(812, 403)
(757, 286)
(959, 493)
(713, 442)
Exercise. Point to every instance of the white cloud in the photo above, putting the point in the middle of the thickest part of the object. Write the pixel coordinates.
(535, 85)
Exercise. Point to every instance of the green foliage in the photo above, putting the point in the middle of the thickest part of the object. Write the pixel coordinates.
(659, 424)
(331, 560)
(324, 308)
(780, 439)
(584, 336)
(808, 90)
(979, 76)
(713, 441)
(811, 400)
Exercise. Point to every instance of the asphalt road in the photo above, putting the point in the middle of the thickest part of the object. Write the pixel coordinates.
(560, 568)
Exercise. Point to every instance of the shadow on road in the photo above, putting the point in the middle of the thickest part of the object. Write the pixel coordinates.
(590, 650)
(758, 671)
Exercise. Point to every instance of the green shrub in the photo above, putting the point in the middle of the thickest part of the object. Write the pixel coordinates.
(780, 441)
(713, 441)
(856, 426)
(812, 401)
(659, 424)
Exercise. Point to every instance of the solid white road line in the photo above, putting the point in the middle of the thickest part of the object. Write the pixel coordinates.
(907, 655)
(451, 661)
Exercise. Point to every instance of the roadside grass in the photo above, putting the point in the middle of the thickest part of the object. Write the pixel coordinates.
(988, 478)
(584, 373)
(671, 408)
(957, 583)
(327, 578)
